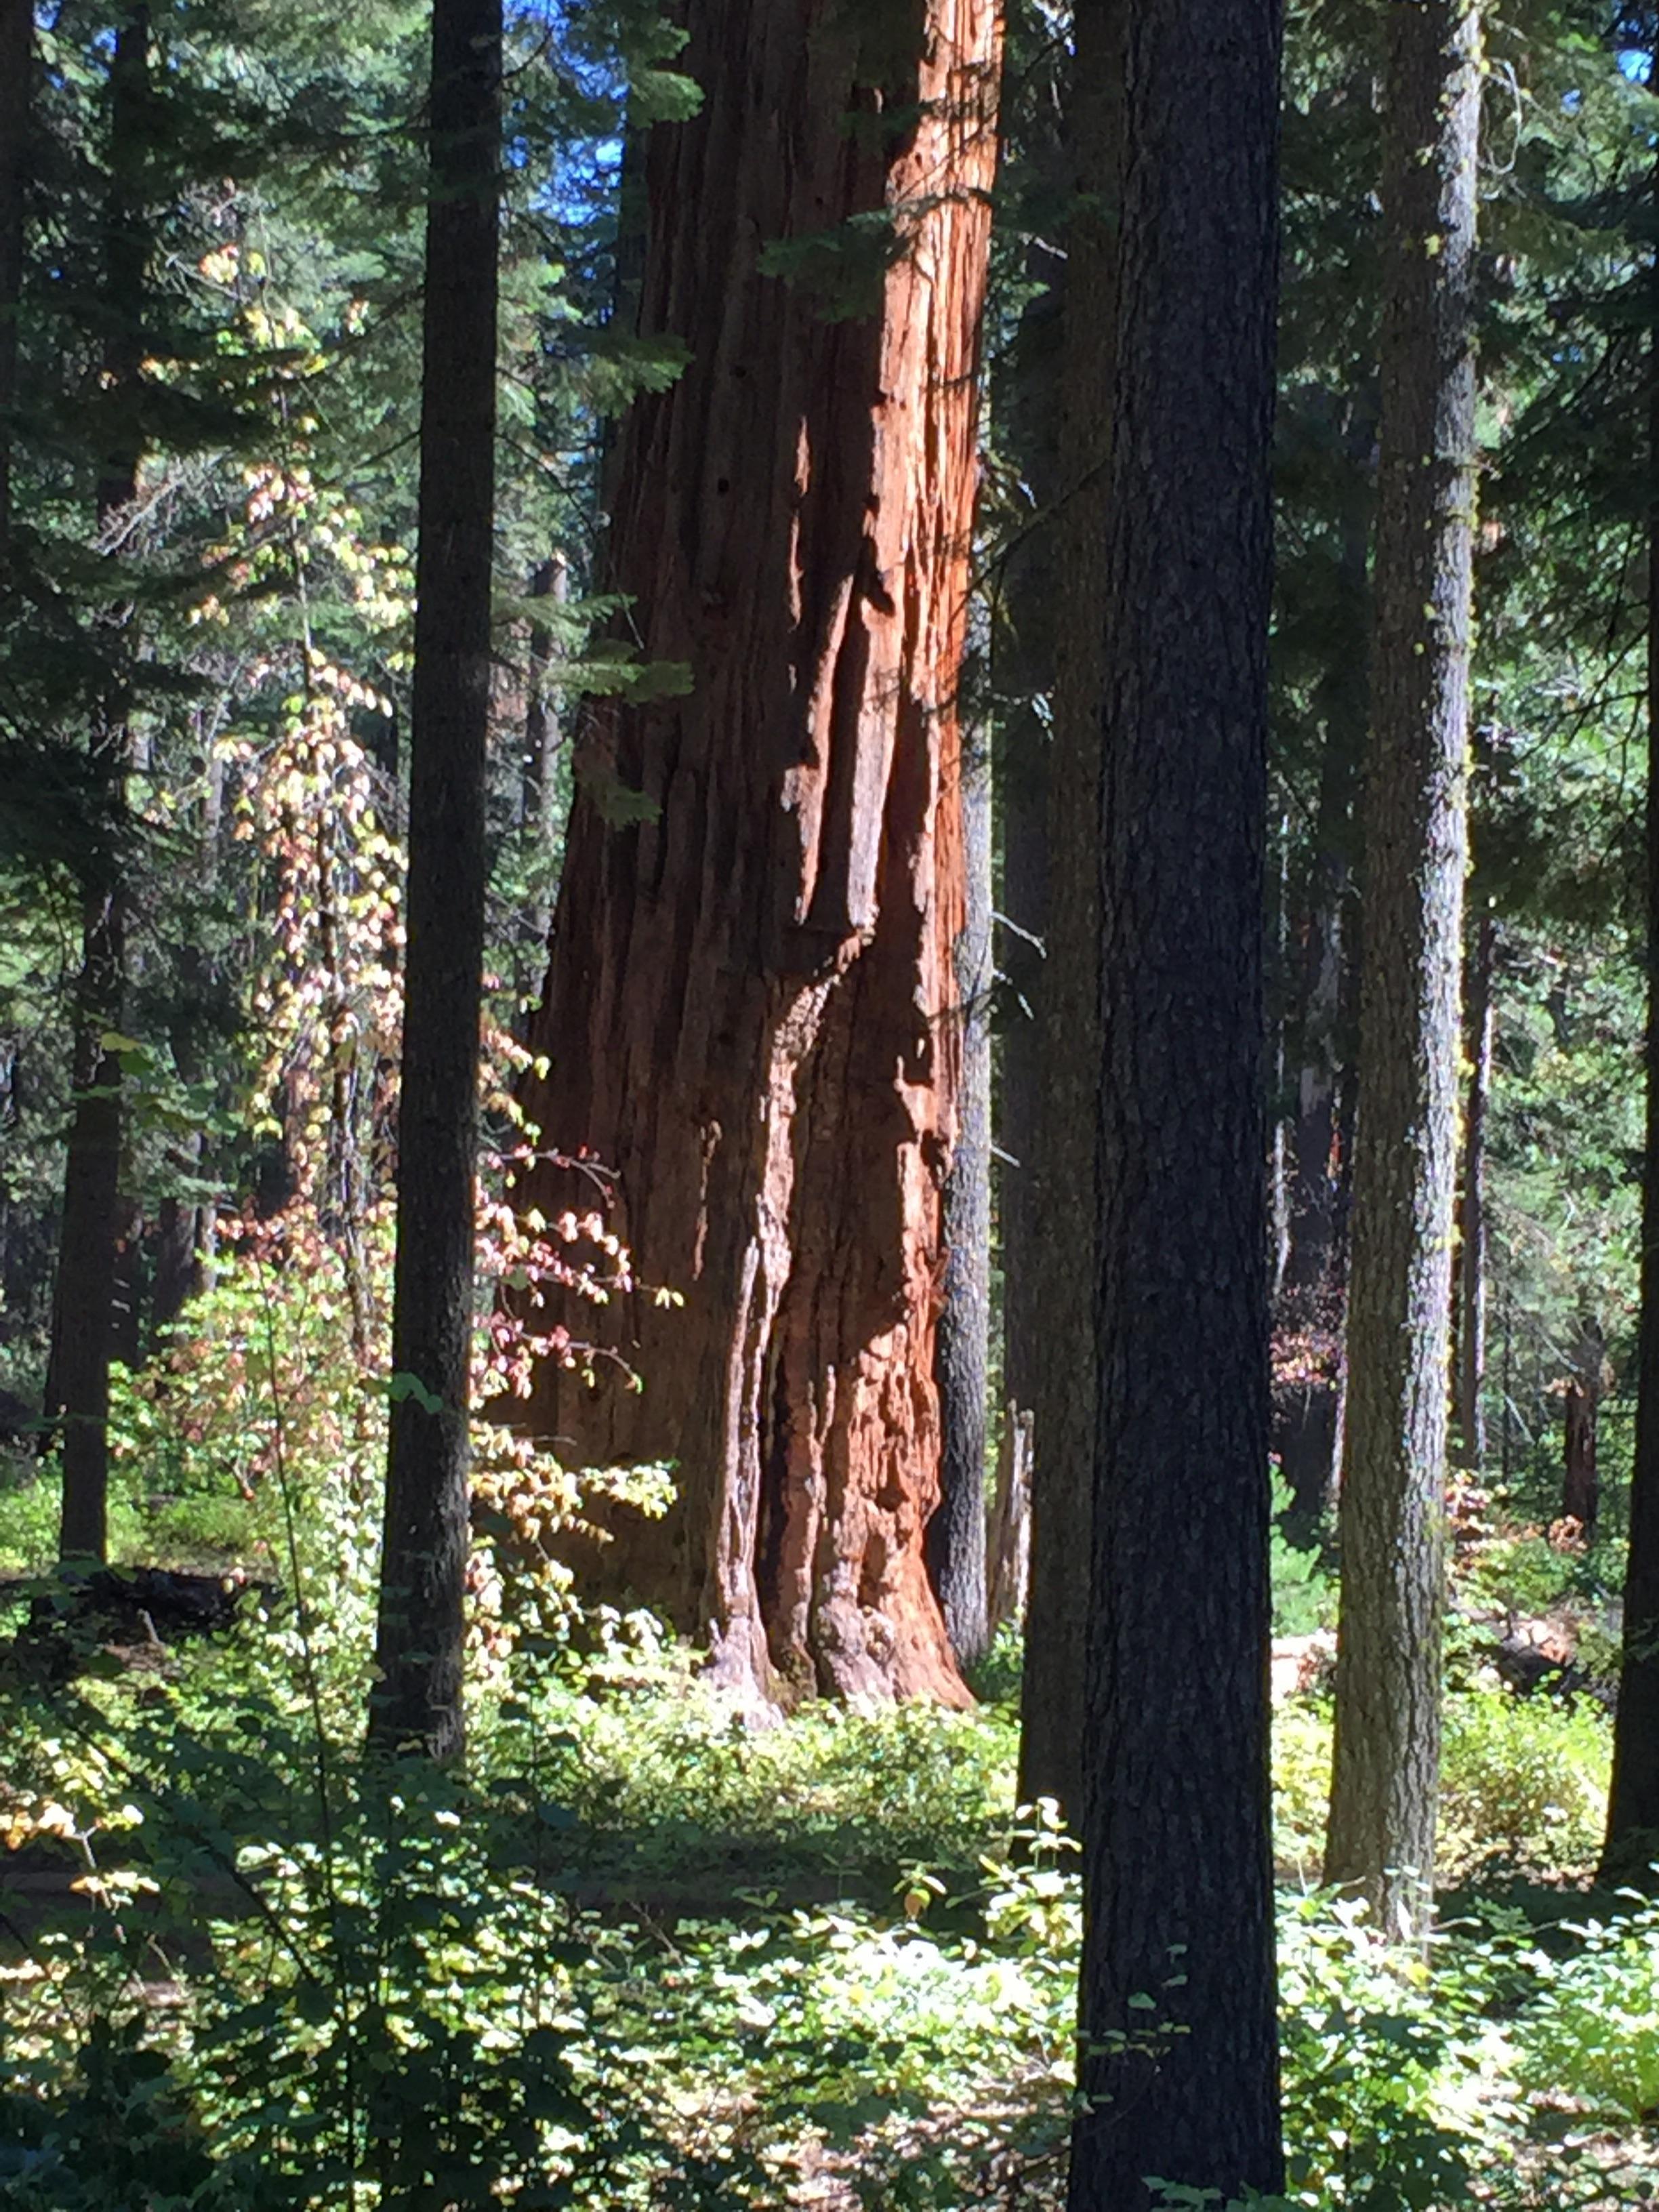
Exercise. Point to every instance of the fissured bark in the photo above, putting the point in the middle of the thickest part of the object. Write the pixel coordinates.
(1386, 1760)
(750, 1012)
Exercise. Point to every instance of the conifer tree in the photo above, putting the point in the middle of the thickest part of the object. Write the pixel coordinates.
(417, 1696)
(749, 1018)
(1385, 1777)
(1178, 2067)
(83, 1303)
(1061, 1267)
(1631, 1844)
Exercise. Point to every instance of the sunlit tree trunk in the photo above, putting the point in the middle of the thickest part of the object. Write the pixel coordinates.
(957, 1533)
(750, 1011)
(1479, 1028)
(1386, 1771)
(1178, 1896)
(417, 1696)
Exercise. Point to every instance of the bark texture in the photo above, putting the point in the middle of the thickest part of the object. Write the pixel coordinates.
(751, 1005)
(957, 1534)
(1178, 1866)
(1479, 1028)
(83, 1311)
(1387, 1758)
(417, 1696)
(1066, 1270)
(1008, 1544)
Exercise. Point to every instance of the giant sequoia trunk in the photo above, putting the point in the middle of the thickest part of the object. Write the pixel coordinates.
(1178, 1897)
(750, 1014)
(1385, 1769)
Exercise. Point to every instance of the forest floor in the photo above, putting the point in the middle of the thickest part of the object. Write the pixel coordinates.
(828, 1965)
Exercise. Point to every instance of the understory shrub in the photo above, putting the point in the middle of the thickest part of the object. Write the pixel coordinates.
(1592, 2031)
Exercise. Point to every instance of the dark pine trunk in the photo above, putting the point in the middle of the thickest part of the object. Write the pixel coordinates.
(1632, 1836)
(1052, 1714)
(957, 1533)
(1480, 1027)
(83, 1337)
(418, 1647)
(1025, 404)
(83, 1320)
(1178, 1898)
(184, 1232)
(1387, 1760)
(1310, 1310)
(750, 1006)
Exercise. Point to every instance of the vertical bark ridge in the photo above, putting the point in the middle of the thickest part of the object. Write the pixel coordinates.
(750, 1008)
(418, 1642)
(1178, 2065)
(1386, 1771)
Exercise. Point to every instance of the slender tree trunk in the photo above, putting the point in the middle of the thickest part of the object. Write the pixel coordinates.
(84, 1299)
(1387, 1760)
(1310, 1313)
(1632, 1838)
(1308, 1393)
(423, 1566)
(543, 735)
(750, 1007)
(1479, 1026)
(1052, 1724)
(1025, 404)
(1580, 1485)
(16, 87)
(1008, 1544)
(957, 1533)
(180, 1275)
(1178, 1897)
(82, 1325)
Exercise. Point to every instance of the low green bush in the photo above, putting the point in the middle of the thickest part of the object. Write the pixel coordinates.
(1523, 1782)
(1592, 2031)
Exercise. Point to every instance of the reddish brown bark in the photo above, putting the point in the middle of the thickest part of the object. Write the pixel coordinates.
(749, 1011)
